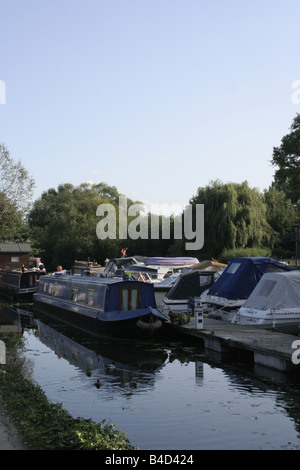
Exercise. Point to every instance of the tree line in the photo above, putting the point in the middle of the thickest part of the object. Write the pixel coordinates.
(238, 220)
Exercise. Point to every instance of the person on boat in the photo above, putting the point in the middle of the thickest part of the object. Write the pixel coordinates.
(123, 252)
(60, 271)
(42, 268)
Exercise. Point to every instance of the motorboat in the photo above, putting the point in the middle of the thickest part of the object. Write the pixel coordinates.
(189, 284)
(274, 303)
(236, 283)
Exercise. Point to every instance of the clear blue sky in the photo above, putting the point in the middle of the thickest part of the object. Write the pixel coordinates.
(154, 97)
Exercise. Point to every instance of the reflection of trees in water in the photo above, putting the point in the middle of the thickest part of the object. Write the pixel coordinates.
(284, 387)
(137, 364)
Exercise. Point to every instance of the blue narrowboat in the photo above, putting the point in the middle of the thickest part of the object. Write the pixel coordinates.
(112, 305)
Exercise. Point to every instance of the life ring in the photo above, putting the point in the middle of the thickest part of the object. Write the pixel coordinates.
(141, 278)
(149, 326)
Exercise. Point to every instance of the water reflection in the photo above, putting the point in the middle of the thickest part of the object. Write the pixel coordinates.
(166, 394)
(124, 363)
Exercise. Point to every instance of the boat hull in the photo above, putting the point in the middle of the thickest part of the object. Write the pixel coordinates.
(147, 323)
(281, 320)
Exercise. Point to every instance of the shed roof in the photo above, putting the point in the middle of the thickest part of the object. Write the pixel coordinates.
(15, 248)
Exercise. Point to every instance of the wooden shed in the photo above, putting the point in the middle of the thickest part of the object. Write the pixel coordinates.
(14, 255)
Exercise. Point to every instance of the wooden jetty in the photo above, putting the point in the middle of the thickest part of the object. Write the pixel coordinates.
(268, 348)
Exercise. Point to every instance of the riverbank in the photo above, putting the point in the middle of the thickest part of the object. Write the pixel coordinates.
(10, 438)
(31, 422)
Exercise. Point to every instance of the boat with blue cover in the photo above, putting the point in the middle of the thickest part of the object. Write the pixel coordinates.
(108, 305)
(236, 283)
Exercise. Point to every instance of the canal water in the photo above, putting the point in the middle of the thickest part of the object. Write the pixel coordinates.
(166, 395)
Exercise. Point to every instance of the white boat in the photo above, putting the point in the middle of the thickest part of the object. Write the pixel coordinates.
(274, 303)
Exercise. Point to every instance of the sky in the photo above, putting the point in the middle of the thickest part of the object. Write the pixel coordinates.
(154, 97)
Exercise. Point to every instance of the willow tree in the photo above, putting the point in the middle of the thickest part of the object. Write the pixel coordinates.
(234, 217)
(281, 215)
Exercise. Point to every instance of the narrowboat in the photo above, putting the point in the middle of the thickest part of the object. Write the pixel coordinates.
(108, 305)
(18, 283)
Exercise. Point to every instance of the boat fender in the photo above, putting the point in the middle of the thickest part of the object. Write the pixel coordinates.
(149, 326)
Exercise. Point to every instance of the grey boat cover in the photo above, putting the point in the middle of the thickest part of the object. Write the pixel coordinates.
(276, 290)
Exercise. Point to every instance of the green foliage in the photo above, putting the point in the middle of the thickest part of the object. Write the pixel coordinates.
(286, 158)
(16, 187)
(281, 215)
(47, 426)
(227, 254)
(64, 221)
(15, 181)
(234, 217)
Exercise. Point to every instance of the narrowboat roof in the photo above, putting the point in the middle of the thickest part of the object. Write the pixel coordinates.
(90, 279)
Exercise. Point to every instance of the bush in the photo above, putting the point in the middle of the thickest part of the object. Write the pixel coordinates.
(227, 254)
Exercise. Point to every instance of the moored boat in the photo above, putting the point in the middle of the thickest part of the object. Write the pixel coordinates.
(108, 305)
(236, 283)
(274, 303)
(190, 284)
(18, 283)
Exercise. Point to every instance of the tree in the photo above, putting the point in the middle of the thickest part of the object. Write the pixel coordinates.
(15, 181)
(281, 215)
(287, 158)
(16, 188)
(234, 217)
(64, 222)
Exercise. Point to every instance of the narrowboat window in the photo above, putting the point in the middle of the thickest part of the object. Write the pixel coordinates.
(55, 290)
(100, 297)
(130, 298)
(134, 299)
(124, 304)
(90, 296)
(74, 294)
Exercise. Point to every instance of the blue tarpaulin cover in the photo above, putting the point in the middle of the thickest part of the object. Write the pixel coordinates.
(242, 275)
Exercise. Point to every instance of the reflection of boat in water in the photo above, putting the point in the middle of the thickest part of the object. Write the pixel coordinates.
(120, 359)
(113, 306)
